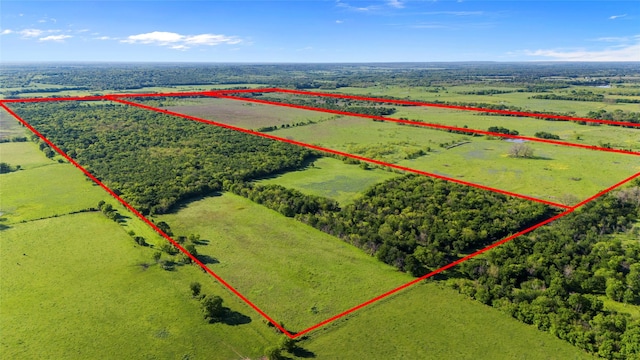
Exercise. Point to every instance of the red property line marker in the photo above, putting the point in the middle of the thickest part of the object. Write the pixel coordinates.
(429, 125)
(458, 107)
(336, 152)
(143, 218)
(568, 210)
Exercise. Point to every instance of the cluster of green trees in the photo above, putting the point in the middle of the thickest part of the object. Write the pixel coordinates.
(156, 160)
(616, 115)
(502, 130)
(574, 95)
(557, 277)
(546, 135)
(353, 106)
(7, 168)
(288, 202)
(417, 223)
(583, 95)
(13, 139)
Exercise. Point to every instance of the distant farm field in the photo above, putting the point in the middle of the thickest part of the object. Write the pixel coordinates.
(519, 99)
(555, 173)
(331, 178)
(243, 114)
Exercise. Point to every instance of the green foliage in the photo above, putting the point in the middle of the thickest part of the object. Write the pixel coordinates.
(546, 135)
(156, 160)
(195, 289)
(432, 220)
(552, 277)
(502, 130)
(212, 308)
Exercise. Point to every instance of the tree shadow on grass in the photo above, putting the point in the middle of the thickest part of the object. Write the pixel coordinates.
(206, 259)
(235, 318)
(303, 353)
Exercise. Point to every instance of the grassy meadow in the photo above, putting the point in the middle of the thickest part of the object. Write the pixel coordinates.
(294, 272)
(617, 137)
(518, 99)
(76, 287)
(555, 173)
(331, 178)
(436, 323)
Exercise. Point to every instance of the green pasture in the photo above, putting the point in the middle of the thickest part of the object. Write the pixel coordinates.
(25, 154)
(436, 323)
(617, 137)
(452, 94)
(76, 287)
(331, 178)
(46, 191)
(556, 173)
(292, 271)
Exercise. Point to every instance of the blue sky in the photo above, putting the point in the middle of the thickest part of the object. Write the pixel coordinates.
(319, 31)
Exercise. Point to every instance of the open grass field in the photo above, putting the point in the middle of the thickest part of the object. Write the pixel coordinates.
(437, 323)
(73, 287)
(9, 127)
(294, 272)
(245, 115)
(519, 99)
(76, 286)
(617, 137)
(331, 178)
(556, 173)
(43, 187)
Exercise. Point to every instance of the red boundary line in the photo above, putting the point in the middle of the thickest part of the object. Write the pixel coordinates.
(336, 152)
(444, 106)
(143, 218)
(193, 258)
(429, 125)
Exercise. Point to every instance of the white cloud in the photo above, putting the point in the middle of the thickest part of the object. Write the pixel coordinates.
(339, 21)
(623, 53)
(613, 17)
(395, 3)
(31, 32)
(180, 42)
(105, 38)
(6, 32)
(57, 38)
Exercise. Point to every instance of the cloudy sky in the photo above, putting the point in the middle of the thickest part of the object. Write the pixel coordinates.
(319, 31)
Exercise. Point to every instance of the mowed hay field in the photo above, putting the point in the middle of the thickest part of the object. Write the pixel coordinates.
(556, 173)
(244, 114)
(331, 178)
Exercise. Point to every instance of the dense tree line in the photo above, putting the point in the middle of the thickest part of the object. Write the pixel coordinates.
(155, 160)
(555, 277)
(417, 223)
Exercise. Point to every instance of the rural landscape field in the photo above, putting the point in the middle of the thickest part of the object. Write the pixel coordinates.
(238, 221)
